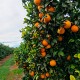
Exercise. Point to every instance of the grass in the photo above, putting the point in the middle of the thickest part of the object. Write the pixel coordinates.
(5, 69)
(17, 71)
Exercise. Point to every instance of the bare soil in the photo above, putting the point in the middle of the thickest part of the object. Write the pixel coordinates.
(13, 76)
(5, 59)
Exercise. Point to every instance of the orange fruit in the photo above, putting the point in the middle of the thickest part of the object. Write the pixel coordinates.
(41, 15)
(74, 28)
(48, 46)
(53, 63)
(51, 9)
(60, 38)
(37, 24)
(42, 76)
(39, 7)
(44, 42)
(42, 50)
(68, 57)
(61, 30)
(67, 24)
(47, 18)
(43, 54)
(32, 73)
(47, 74)
(37, 2)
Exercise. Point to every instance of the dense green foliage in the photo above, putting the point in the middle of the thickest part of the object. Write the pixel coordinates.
(29, 54)
(5, 50)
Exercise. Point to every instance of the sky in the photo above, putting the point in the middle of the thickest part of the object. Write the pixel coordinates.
(12, 15)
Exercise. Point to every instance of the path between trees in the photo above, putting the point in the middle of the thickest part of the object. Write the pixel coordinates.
(13, 74)
(5, 59)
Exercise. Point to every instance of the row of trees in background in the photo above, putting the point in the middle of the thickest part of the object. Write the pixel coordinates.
(5, 51)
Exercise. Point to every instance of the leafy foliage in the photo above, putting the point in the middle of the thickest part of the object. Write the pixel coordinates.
(65, 52)
(5, 50)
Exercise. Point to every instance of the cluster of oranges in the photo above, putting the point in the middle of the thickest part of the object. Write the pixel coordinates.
(46, 18)
(67, 25)
(62, 30)
(42, 76)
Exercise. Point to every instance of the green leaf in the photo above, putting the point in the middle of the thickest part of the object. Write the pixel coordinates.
(67, 1)
(76, 55)
(77, 71)
(72, 66)
(61, 53)
(71, 40)
(72, 77)
(64, 5)
(55, 53)
(76, 22)
(79, 55)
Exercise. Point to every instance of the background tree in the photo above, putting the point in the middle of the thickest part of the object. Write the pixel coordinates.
(5, 51)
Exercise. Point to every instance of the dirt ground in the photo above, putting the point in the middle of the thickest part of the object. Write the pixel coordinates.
(15, 77)
(5, 59)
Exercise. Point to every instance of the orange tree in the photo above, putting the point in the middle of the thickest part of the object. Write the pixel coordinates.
(5, 51)
(51, 40)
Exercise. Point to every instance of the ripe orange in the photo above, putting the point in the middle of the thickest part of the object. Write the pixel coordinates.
(32, 73)
(44, 42)
(47, 18)
(37, 2)
(51, 9)
(41, 15)
(42, 76)
(48, 46)
(74, 28)
(53, 63)
(61, 30)
(68, 57)
(67, 24)
(47, 74)
(42, 50)
(60, 38)
(43, 54)
(39, 7)
(37, 24)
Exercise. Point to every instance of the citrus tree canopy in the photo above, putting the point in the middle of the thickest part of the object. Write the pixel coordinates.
(51, 47)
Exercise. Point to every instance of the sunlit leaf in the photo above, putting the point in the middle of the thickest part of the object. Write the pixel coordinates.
(76, 55)
(79, 55)
(61, 53)
(72, 77)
